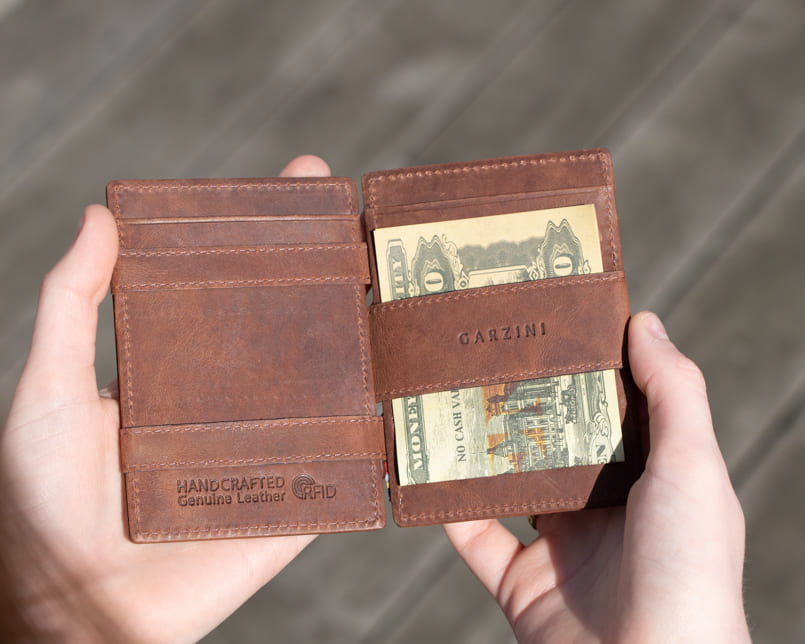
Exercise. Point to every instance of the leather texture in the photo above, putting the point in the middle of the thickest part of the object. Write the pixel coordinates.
(242, 340)
(246, 352)
(595, 309)
(498, 334)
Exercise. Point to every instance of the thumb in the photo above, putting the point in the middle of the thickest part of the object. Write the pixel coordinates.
(680, 426)
(306, 165)
(61, 363)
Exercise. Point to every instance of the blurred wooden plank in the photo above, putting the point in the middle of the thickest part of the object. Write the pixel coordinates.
(340, 589)
(154, 126)
(456, 608)
(694, 159)
(742, 322)
(421, 56)
(60, 61)
(593, 65)
(775, 558)
(8, 6)
(450, 605)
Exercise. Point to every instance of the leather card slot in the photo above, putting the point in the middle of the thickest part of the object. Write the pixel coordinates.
(204, 198)
(556, 490)
(496, 334)
(195, 268)
(539, 173)
(483, 204)
(225, 354)
(602, 198)
(257, 442)
(255, 500)
(240, 231)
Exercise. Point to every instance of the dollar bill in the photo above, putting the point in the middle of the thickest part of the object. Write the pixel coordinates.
(538, 424)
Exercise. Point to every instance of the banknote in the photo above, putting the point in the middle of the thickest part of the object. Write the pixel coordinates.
(561, 421)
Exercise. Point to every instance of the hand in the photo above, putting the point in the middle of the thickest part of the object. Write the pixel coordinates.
(667, 568)
(60, 453)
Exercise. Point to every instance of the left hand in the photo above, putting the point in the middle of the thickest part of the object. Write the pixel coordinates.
(60, 453)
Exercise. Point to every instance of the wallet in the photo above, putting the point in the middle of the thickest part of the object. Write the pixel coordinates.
(255, 381)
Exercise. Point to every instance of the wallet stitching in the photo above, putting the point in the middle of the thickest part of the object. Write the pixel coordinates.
(375, 490)
(268, 185)
(263, 528)
(605, 172)
(476, 293)
(447, 514)
(273, 460)
(136, 504)
(238, 251)
(480, 167)
(360, 309)
(611, 217)
(127, 359)
(342, 279)
(505, 377)
(265, 425)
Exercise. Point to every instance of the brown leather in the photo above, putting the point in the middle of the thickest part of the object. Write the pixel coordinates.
(263, 442)
(225, 267)
(245, 361)
(497, 186)
(498, 334)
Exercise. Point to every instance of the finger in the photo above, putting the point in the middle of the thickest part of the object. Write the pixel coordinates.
(487, 548)
(62, 356)
(306, 165)
(680, 424)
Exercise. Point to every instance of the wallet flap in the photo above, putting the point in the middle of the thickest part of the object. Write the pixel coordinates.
(245, 382)
(593, 339)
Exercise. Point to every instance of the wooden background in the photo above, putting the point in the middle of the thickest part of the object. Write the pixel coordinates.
(701, 102)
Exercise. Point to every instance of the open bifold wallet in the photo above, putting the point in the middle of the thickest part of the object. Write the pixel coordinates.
(251, 368)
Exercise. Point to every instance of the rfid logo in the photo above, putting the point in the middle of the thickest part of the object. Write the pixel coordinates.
(305, 487)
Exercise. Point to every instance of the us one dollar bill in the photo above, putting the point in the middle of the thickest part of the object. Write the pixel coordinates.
(561, 421)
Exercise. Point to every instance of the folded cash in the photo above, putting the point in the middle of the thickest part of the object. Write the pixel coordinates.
(560, 421)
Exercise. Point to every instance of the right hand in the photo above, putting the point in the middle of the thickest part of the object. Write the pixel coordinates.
(667, 568)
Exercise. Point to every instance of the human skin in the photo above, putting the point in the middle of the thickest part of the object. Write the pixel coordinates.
(60, 453)
(666, 568)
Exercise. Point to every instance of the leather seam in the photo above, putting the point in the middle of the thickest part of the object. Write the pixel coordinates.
(239, 251)
(209, 530)
(252, 426)
(273, 460)
(477, 293)
(137, 519)
(504, 377)
(451, 514)
(127, 359)
(360, 309)
(375, 491)
(265, 185)
(605, 171)
(480, 167)
(343, 279)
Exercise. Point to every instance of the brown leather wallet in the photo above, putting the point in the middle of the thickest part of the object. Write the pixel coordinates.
(250, 366)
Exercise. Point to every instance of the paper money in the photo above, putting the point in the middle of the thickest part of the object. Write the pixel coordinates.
(561, 421)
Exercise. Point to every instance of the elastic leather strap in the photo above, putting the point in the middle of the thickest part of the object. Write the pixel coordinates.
(259, 442)
(497, 334)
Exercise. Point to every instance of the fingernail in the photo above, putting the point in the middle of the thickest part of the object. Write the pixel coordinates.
(655, 326)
